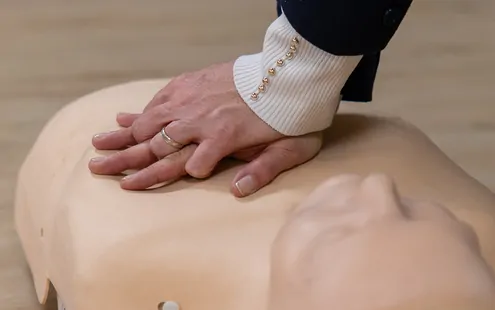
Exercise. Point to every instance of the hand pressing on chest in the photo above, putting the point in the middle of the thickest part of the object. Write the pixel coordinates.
(189, 127)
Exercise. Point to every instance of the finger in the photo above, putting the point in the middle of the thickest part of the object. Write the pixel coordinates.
(151, 122)
(206, 157)
(114, 140)
(178, 131)
(126, 119)
(167, 170)
(249, 153)
(264, 169)
(136, 157)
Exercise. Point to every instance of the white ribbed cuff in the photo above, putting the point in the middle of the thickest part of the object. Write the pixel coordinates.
(303, 93)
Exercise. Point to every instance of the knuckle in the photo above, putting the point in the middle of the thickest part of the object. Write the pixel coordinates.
(263, 172)
(119, 160)
(270, 168)
(162, 96)
(224, 131)
(138, 132)
(174, 82)
(287, 153)
(176, 127)
(147, 125)
(138, 124)
(222, 112)
(156, 148)
(160, 111)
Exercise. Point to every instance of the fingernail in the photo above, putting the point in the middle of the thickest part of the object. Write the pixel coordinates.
(99, 135)
(127, 178)
(246, 186)
(97, 159)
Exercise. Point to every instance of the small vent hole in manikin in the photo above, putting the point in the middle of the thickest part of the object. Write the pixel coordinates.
(168, 305)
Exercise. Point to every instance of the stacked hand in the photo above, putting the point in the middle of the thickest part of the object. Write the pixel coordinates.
(189, 126)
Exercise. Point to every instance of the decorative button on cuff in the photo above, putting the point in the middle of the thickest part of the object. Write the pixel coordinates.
(273, 70)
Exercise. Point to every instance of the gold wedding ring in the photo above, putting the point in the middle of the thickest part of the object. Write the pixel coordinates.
(170, 141)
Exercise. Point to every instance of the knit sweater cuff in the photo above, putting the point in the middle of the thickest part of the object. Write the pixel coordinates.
(292, 85)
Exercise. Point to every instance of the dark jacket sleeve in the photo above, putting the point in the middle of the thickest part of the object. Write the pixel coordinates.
(349, 27)
(359, 85)
(346, 27)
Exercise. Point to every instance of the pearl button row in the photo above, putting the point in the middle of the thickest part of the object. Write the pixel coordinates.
(273, 71)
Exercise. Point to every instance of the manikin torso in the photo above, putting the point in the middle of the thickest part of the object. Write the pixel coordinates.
(192, 241)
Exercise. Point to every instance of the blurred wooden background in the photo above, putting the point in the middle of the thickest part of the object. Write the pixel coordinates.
(438, 72)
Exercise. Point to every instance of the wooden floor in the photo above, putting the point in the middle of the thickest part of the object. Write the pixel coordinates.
(438, 72)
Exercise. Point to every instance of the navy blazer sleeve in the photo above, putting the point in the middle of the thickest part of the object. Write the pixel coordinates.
(349, 27)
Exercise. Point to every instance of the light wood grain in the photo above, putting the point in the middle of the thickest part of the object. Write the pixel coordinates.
(438, 72)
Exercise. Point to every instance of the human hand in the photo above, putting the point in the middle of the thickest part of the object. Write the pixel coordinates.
(265, 162)
(202, 108)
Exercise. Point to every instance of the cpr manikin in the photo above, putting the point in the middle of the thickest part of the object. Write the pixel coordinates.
(193, 243)
(357, 243)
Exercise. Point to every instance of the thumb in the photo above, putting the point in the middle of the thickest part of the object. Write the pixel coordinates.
(264, 169)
